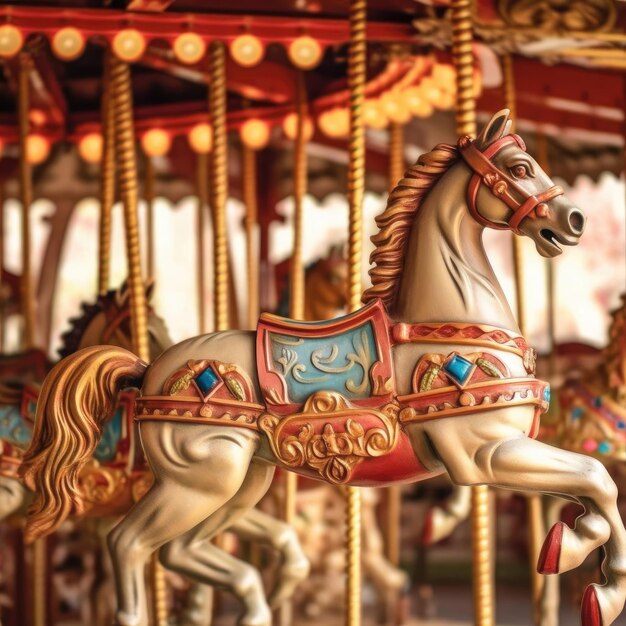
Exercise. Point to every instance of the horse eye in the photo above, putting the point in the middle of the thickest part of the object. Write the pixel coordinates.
(519, 171)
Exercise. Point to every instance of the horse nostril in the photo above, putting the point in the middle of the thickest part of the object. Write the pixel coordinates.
(576, 221)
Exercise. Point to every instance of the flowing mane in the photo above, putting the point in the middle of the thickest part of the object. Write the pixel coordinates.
(396, 220)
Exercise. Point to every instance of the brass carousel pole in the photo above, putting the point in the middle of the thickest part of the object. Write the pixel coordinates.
(219, 182)
(148, 193)
(462, 39)
(39, 549)
(126, 158)
(357, 71)
(394, 494)
(535, 525)
(250, 200)
(107, 180)
(202, 186)
(296, 287)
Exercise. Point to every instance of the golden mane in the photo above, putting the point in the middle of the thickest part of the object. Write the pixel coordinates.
(396, 220)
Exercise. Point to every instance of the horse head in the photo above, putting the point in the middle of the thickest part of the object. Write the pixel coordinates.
(327, 284)
(108, 322)
(508, 189)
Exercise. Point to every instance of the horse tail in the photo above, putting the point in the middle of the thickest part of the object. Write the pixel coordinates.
(77, 397)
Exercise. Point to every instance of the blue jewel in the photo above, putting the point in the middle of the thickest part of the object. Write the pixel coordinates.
(604, 447)
(597, 401)
(206, 380)
(577, 412)
(621, 425)
(547, 394)
(458, 368)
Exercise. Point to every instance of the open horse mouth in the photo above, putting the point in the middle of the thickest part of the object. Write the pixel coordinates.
(553, 240)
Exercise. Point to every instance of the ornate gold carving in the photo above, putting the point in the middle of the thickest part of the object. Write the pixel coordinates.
(559, 15)
(332, 454)
(99, 484)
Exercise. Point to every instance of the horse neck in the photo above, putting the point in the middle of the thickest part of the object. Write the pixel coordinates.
(447, 276)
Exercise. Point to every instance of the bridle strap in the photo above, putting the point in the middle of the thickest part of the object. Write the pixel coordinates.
(501, 185)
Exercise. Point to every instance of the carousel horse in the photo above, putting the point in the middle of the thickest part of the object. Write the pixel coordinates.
(591, 420)
(116, 475)
(431, 376)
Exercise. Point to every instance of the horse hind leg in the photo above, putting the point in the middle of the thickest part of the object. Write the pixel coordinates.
(186, 461)
(443, 519)
(194, 556)
(521, 463)
(294, 567)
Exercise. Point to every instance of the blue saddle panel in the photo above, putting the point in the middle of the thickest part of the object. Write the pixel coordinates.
(111, 435)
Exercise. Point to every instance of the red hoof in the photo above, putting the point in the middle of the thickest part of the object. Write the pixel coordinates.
(590, 611)
(551, 551)
(427, 531)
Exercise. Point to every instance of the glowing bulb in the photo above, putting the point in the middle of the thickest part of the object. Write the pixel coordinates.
(417, 103)
(373, 114)
(156, 142)
(395, 107)
(290, 127)
(189, 48)
(68, 43)
(37, 149)
(444, 76)
(37, 117)
(129, 45)
(305, 52)
(335, 123)
(90, 148)
(255, 134)
(201, 138)
(430, 90)
(11, 40)
(447, 101)
(247, 50)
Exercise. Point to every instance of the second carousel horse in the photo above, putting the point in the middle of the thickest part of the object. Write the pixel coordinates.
(432, 376)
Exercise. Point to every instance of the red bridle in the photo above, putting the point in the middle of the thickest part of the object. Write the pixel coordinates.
(501, 185)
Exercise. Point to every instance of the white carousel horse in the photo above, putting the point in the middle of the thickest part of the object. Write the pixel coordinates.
(440, 381)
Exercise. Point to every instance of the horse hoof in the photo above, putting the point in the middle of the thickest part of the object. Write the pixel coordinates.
(590, 611)
(551, 550)
(427, 531)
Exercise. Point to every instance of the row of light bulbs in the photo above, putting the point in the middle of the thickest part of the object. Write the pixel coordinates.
(129, 45)
(396, 105)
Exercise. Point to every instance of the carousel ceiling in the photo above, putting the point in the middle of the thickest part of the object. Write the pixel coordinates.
(568, 59)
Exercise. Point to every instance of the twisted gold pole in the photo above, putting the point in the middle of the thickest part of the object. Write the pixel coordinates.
(202, 184)
(357, 71)
(535, 523)
(126, 157)
(394, 494)
(39, 549)
(250, 201)
(148, 193)
(107, 180)
(2, 303)
(219, 178)
(26, 196)
(462, 39)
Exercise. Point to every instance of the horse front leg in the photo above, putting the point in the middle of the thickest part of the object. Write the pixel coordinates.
(523, 464)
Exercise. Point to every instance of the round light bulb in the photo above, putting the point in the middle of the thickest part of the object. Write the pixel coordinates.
(335, 123)
(430, 90)
(305, 52)
(129, 45)
(255, 134)
(156, 142)
(37, 149)
(247, 50)
(447, 101)
(37, 117)
(68, 43)
(418, 105)
(444, 76)
(90, 147)
(201, 138)
(290, 127)
(374, 115)
(11, 40)
(189, 48)
(395, 107)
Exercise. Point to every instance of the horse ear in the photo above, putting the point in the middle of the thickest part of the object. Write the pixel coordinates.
(497, 127)
(149, 288)
(122, 294)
